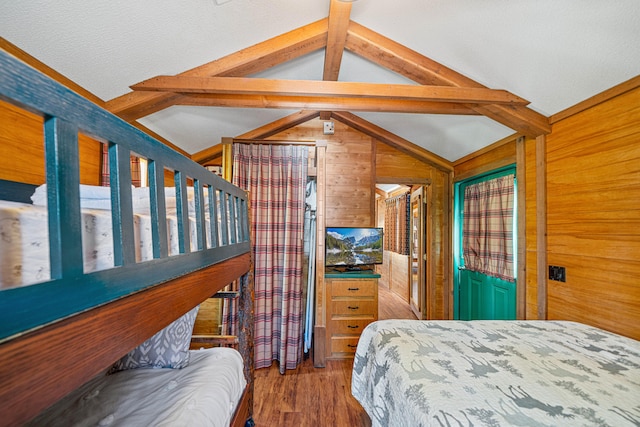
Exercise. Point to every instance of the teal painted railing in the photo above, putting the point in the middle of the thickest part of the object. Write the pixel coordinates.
(70, 290)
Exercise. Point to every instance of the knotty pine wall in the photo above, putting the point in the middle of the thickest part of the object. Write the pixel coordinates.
(593, 213)
(22, 149)
(592, 186)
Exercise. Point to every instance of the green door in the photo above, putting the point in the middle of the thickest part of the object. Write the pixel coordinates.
(479, 295)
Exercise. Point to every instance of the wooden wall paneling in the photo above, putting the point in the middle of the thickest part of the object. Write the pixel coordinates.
(320, 328)
(393, 163)
(399, 274)
(531, 259)
(593, 222)
(499, 154)
(541, 227)
(22, 149)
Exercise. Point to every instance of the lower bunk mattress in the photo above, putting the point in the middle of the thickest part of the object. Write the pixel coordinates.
(496, 373)
(204, 393)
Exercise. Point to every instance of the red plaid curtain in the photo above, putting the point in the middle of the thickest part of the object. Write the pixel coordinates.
(275, 177)
(396, 224)
(487, 230)
(135, 168)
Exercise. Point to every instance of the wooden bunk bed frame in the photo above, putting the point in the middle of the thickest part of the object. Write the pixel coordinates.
(57, 335)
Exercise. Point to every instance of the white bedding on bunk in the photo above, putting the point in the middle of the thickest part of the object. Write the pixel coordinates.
(205, 393)
(24, 241)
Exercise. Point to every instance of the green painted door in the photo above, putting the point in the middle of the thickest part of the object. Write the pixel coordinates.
(478, 295)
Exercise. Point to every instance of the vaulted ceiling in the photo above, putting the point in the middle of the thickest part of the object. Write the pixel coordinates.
(448, 76)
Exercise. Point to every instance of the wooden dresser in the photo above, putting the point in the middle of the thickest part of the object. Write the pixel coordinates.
(352, 300)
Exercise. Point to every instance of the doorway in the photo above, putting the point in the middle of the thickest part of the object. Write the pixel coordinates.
(485, 246)
(417, 253)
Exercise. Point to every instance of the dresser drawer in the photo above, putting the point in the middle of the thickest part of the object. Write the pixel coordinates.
(355, 307)
(353, 326)
(344, 344)
(354, 288)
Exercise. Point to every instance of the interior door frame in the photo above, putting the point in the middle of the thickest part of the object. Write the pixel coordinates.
(457, 231)
(417, 250)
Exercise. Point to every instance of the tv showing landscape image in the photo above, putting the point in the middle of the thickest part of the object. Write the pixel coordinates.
(353, 246)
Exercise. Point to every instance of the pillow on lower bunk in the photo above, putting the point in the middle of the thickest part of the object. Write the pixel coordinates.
(169, 348)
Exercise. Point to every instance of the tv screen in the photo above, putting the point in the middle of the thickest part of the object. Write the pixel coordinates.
(353, 247)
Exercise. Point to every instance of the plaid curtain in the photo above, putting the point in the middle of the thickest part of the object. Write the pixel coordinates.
(487, 230)
(135, 168)
(275, 177)
(396, 224)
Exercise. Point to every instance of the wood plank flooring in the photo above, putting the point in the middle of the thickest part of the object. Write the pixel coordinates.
(309, 396)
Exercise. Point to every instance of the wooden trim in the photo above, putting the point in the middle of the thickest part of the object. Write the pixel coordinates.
(403, 181)
(207, 154)
(541, 225)
(372, 180)
(488, 167)
(521, 177)
(449, 256)
(608, 94)
(227, 158)
(319, 340)
(487, 149)
(84, 345)
(308, 143)
(243, 411)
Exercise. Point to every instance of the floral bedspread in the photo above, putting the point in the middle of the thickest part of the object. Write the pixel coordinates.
(496, 373)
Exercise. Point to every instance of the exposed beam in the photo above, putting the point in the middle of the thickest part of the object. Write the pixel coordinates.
(409, 63)
(393, 140)
(325, 103)
(280, 125)
(339, 15)
(314, 88)
(207, 154)
(256, 58)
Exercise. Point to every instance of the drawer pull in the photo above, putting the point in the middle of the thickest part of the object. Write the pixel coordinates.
(352, 345)
(353, 308)
(353, 326)
(353, 289)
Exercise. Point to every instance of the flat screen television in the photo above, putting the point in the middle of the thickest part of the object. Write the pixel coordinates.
(353, 248)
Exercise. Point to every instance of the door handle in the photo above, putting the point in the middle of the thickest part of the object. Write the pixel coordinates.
(462, 267)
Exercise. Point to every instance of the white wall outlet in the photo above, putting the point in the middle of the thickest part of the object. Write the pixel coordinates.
(328, 128)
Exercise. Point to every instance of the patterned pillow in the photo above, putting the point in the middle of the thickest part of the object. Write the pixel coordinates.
(169, 348)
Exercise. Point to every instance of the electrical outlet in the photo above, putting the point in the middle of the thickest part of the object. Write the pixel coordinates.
(557, 274)
(328, 128)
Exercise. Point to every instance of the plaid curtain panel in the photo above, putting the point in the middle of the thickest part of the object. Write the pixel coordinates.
(396, 224)
(487, 233)
(275, 177)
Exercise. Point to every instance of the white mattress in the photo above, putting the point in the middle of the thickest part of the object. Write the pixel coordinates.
(205, 393)
(24, 241)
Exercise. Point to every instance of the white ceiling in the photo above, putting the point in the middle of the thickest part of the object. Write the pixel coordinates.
(554, 53)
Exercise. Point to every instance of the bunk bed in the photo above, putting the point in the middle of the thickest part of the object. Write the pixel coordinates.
(496, 373)
(65, 328)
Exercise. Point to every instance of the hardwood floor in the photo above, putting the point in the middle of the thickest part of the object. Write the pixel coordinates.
(309, 396)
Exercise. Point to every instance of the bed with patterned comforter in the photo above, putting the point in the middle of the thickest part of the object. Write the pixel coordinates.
(496, 373)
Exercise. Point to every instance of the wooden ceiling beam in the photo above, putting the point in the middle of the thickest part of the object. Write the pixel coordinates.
(393, 140)
(339, 17)
(280, 125)
(208, 154)
(325, 103)
(409, 63)
(314, 88)
(256, 58)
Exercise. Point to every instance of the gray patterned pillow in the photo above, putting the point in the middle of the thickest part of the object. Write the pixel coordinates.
(169, 348)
